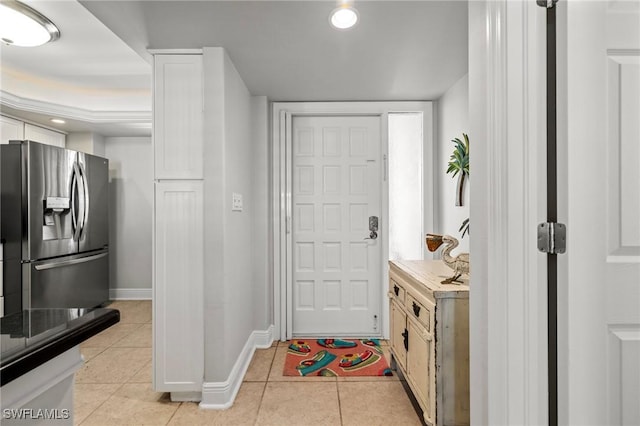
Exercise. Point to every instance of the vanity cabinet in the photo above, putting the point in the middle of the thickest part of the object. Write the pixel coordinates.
(429, 324)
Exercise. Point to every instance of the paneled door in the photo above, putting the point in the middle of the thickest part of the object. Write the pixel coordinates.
(601, 371)
(336, 193)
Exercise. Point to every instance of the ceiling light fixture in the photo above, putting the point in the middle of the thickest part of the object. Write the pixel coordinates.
(343, 17)
(20, 25)
(57, 120)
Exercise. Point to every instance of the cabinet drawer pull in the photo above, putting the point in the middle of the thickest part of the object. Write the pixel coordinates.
(416, 309)
(396, 290)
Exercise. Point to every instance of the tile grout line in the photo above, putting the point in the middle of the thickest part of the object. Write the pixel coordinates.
(121, 384)
(339, 404)
(264, 387)
(174, 413)
(264, 390)
(273, 360)
(103, 402)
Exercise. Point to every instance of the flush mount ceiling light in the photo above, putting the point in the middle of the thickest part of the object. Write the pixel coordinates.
(21, 25)
(57, 120)
(343, 17)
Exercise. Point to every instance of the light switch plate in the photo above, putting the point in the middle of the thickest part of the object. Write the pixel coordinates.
(236, 202)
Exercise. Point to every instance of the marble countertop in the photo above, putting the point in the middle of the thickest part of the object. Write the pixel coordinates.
(33, 337)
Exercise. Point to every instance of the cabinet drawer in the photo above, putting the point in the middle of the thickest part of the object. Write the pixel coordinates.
(396, 291)
(419, 311)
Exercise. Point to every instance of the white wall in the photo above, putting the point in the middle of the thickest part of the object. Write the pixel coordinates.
(236, 242)
(453, 121)
(130, 211)
(262, 223)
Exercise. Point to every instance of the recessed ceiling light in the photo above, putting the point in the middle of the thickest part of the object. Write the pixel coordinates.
(343, 17)
(57, 120)
(21, 25)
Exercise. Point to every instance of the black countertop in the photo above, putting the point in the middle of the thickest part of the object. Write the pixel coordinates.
(32, 337)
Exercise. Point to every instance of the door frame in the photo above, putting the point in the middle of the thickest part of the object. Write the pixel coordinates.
(282, 118)
(508, 305)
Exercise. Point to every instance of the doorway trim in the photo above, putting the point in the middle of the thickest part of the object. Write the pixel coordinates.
(507, 111)
(282, 115)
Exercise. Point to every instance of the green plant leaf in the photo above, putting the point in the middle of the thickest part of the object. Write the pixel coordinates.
(465, 227)
(459, 160)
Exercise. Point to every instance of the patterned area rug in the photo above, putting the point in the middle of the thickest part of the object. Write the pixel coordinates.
(335, 357)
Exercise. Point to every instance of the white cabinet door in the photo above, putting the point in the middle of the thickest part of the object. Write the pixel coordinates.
(42, 135)
(178, 287)
(177, 116)
(10, 129)
(419, 362)
(398, 327)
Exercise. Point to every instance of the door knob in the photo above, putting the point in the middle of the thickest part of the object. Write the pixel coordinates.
(372, 235)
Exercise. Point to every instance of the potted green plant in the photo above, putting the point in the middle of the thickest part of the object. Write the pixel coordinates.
(459, 165)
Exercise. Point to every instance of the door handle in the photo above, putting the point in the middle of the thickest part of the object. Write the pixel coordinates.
(74, 195)
(69, 262)
(372, 235)
(405, 335)
(84, 209)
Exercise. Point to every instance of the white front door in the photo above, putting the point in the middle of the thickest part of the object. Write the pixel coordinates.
(336, 189)
(599, 283)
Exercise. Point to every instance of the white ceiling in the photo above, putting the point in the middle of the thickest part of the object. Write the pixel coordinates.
(89, 76)
(286, 50)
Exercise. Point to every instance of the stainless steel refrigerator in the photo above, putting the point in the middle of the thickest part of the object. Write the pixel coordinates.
(54, 227)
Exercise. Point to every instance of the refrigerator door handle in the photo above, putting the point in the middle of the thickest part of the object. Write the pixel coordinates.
(74, 194)
(78, 190)
(84, 200)
(69, 262)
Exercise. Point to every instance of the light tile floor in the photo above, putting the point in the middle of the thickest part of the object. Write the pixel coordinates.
(114, 388)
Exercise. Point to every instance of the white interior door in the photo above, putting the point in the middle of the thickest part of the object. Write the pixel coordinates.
(336, 188)
(600, 311)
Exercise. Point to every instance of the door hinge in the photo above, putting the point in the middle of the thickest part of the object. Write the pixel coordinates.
(552, 237)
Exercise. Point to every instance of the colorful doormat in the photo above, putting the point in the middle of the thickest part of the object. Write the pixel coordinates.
(335, 357)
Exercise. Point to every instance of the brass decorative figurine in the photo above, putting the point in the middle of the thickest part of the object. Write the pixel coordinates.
(459, 264)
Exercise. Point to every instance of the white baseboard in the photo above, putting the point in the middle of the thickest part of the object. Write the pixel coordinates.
(130, 294)
(220, 395)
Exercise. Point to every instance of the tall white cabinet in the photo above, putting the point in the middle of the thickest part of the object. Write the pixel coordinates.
(178, 345)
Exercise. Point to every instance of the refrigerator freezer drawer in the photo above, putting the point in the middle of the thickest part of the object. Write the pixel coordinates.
(78, 281)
